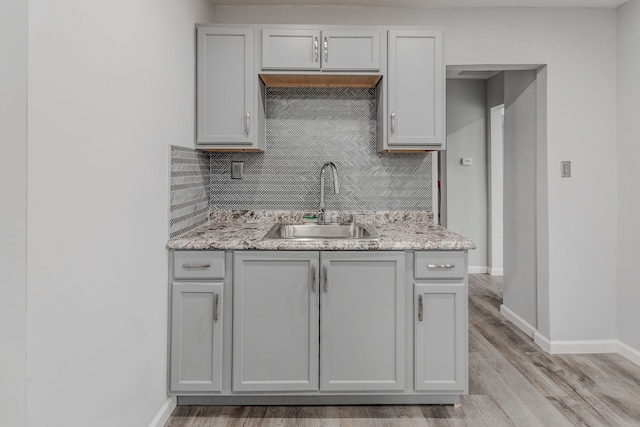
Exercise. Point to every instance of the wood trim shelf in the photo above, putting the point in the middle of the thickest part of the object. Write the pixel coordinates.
(320, 80)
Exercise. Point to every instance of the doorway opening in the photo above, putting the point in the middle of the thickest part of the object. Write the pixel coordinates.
(493, 179)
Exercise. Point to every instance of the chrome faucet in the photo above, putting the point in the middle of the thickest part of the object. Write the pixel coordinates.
(336, 188)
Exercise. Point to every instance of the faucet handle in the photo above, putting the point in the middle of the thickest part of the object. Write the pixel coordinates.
(348, 219)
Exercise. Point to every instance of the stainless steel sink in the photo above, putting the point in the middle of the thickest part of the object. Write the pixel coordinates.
(321, 231)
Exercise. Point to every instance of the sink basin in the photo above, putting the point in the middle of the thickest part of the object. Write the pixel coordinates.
(321, 231)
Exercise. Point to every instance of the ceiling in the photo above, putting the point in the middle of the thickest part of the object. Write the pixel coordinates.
(428, 3)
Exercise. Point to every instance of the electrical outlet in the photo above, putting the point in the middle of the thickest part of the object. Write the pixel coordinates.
(237, 170)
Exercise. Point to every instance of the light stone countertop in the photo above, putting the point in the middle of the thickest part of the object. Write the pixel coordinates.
(398, 230)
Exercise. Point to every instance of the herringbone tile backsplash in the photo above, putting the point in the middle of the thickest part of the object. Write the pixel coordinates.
(306, 127)
(188, 189)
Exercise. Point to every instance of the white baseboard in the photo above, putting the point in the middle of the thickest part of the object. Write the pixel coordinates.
(629, 352)
(496, 271)
(164, 413)
(518, 321)
(542, 341)
(478, 270)
(576, 347)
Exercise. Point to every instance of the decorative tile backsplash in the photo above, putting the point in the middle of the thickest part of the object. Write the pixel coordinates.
(189, 189)
(306, 127)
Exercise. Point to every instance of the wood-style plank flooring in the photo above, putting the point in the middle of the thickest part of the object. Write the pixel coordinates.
(511, 383)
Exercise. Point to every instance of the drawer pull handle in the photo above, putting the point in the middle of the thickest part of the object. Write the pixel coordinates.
(325, 283)
(196, 265)
(313, 279)
(326, 50)
(420, 308)
(216, 298)
(440, 266)
(315, 49)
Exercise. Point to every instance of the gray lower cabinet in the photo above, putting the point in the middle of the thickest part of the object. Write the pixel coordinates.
(362, 321)
(440, 322)
(439, 331)
(344, 321)
(275, 321)
(366, 326)
(196, 336)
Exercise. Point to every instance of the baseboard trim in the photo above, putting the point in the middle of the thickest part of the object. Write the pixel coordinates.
(629, 352)
(542, 341)
(576, 347)
(496, 271)
(337, 399)
(478, 269)
(164, 413)
(522, 324)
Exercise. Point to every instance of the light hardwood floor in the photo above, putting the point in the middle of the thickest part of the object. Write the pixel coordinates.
(511, 383)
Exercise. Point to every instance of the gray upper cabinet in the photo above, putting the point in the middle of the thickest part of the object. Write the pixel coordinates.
(227, 104)
(196, 336)
(362, 321)
(415, 90)
(275, 321)
(290, 49)
(351, 50)
(317, 49)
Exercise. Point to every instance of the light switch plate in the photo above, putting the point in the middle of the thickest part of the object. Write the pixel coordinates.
(466, 161)
(237, 170)
(566, 169)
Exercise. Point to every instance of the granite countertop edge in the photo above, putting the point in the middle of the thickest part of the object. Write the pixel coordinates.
(406, 232)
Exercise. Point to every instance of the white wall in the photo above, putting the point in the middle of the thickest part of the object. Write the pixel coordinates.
(111, 84)
(467, 185)
(579, 46)
(495, 175)
(13, 233)
(628, 176)
(520, 239)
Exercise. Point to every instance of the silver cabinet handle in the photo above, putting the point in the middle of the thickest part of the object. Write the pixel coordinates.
(325, 48)
(315, 49)
(325, 284)
(313, 278)
(247, 123)
(393, 122)
(420, 308)
(439, 266)
(196, 265)
(216, 298)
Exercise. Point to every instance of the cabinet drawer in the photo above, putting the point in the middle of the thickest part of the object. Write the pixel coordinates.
(198, 265)
(439, 265)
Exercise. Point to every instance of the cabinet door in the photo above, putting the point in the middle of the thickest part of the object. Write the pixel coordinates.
(440, 337)
(351, 50)
(416, 86)
(362, 321)
(196, 336)
(225, 92)
(290, 49)
(275, 321)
